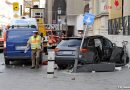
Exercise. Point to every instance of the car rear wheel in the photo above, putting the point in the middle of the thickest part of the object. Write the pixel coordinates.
(7, 62)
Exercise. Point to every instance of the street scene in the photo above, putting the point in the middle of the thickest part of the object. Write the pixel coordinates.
(64, 44)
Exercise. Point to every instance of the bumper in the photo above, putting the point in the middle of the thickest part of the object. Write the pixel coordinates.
(17, 57)
(65, 59)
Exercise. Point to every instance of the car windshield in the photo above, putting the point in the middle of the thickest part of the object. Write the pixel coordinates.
(19, 35)
(70, 43)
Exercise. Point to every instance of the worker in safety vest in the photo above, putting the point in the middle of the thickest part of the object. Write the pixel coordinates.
(35, 41)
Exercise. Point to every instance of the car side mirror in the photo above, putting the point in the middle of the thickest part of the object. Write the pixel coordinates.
(114, 44)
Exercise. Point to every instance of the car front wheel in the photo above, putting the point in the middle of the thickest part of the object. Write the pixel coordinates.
(7, 62)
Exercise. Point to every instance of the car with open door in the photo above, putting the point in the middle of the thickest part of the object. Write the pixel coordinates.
(95, 49)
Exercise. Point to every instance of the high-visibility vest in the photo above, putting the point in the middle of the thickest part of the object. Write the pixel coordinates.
(35, 42)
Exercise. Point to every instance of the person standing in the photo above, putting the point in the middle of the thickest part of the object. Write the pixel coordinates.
(35, 41)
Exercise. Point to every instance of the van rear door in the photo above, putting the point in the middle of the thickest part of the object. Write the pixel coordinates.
(17, 41)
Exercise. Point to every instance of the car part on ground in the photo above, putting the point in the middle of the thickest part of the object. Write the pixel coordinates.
(101, 67)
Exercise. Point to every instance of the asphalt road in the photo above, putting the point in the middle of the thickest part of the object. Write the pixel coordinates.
(21, 77)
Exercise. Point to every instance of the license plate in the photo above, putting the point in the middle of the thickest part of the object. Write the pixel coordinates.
(20, 47)
(67, 52)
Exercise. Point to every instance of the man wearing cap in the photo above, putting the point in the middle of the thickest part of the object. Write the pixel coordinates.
(35, 42)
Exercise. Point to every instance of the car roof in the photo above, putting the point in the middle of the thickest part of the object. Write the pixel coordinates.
(86, 37)
(67, 38)
(95, 36)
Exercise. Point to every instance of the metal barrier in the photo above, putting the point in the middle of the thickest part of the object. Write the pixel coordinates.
(54, 26)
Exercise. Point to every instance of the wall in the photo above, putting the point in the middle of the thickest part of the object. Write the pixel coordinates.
(71, 20)
(75, 7)
(101, 20)
(79, 22)
(126, 7)
(115, 12)
(118, 40)
(49, 10)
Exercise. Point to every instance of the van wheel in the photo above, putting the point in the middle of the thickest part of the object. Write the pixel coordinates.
(127, 60)
(40, 58)
(7, 62)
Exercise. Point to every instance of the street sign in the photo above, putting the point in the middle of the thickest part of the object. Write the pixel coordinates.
(15, 6)
(88, 19)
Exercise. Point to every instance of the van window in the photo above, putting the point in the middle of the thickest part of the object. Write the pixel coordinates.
(19, 35)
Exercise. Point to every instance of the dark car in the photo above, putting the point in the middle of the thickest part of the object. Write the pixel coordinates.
(95, 49)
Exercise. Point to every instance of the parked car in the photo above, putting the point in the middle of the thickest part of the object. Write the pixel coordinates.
(95, 49)
(65, 51)
(16, 41)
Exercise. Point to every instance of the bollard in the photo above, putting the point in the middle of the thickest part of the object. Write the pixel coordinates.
(51, 63)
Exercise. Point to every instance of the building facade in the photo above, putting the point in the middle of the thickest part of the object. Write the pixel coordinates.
(126, 8)
(71, 16)
(104, 10)
(100, 10)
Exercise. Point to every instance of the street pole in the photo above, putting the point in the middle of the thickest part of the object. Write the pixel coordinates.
(21, 9)
(59, 13)
(66, 27)
(59, 25)
(123, 16)
(77, 52)
(86, 27)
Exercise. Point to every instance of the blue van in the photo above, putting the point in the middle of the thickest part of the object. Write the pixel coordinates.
(16, 41)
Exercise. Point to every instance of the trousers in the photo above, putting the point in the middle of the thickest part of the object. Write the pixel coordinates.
(35, 57)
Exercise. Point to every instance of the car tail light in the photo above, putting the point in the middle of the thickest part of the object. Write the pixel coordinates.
(56, 49)
(83, 50)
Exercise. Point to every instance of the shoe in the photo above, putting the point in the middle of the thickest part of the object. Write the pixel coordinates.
(37, 67)
(32, 67)
(46, 53)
